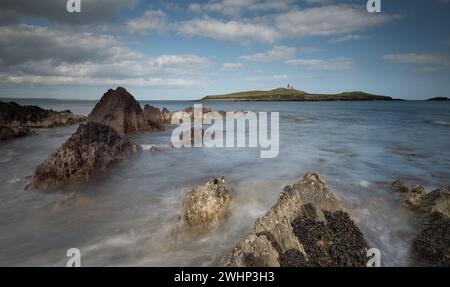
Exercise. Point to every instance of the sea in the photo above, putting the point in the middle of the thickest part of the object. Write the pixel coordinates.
(124, 217)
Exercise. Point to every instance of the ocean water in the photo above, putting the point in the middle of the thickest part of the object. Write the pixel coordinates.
(122, 218)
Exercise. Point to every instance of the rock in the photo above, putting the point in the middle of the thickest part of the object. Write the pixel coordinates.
(13, 131)
(412, 194)
(17, 120)
(306, 227)
(436, 200)
(119, 110)
(167, 116)
(89, 151)
(417, 198)
(432, 243)
(205, 207)
(154, 118)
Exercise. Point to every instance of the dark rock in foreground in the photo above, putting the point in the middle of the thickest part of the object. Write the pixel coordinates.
(306, 227)
(120, 110)
(432, 244)
(90, 150)
(17, 120)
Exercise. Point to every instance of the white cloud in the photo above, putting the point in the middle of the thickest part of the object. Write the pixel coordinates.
(347, 38)
(232, 66)
(228, 31)
(328, 21)
(149, 22)
(276, 53)
(94, 60)
(236, 7)
(418, 59)
(325, 65)
(25, 42)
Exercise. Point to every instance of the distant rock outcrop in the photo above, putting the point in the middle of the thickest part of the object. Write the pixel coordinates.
(306, 227)
(17, 120)
(154, 118)
(438, 99)
(120, 110)
(167, 116)
(432, 244)
(90, 150)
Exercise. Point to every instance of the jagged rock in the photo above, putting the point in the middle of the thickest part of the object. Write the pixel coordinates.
(90, 150)
(411, 193)
(154, 118)
(205, 207)
(432, 244)
(167, 116)
(13, 131)
(119, 110)
(306, 227)
(17, 120)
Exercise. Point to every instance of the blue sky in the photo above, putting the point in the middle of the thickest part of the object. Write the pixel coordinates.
(178, 50)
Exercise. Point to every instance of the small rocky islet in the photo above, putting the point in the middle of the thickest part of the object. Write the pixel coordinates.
(307, 227)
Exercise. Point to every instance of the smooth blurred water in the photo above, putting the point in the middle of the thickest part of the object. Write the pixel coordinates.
(122, 218)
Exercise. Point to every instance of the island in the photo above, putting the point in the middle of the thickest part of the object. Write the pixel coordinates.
(291, 94)
(438, 99)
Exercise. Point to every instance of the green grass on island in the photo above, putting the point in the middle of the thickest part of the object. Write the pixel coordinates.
(290, 94)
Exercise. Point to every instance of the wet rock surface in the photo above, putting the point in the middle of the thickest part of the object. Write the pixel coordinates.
(431, 246)
(17, 120)
(306, 227)
(13, 131)
(154, 118)
(90, 150)
(204, 208)
(120, 110)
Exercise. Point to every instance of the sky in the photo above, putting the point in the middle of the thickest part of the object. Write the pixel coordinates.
(183, 50)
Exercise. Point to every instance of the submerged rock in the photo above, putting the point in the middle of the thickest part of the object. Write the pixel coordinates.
(90, 150)
(120, 110)
(306, 227)
(432, 243)
(300, 120)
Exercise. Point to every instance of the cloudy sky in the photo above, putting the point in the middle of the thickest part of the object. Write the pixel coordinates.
(175, 50)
